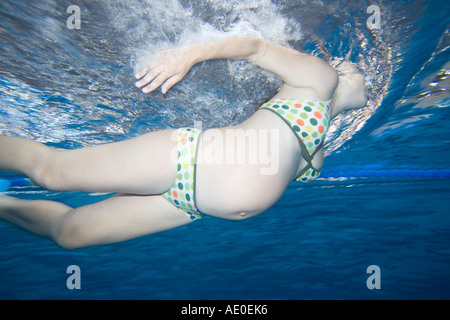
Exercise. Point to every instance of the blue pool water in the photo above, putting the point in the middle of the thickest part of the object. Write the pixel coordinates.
(383, 197)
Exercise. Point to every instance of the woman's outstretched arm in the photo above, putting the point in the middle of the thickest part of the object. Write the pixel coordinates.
(294, 68)
(170, 66)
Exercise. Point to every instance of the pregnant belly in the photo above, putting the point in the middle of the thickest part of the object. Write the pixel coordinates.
(242, 173)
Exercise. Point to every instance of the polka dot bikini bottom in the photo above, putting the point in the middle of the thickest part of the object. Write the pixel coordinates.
(182, 192)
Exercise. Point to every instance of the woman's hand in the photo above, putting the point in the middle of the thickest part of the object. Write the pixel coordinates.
(165, 70)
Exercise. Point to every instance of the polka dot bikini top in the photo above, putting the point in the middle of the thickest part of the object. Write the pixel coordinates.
(309, 120)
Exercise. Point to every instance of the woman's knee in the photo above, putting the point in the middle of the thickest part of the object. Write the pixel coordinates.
(70, 235)
(47, 171)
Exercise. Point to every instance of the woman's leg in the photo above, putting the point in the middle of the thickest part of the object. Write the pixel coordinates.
(116, 219)
(142, 165)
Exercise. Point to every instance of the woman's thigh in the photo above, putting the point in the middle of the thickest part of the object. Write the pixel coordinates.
(141, 165)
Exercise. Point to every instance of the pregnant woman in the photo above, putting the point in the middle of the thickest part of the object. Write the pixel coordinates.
(169, 178)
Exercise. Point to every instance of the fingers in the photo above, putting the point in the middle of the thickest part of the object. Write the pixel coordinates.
(155, 79)
(163, 72)
(171, 82)
(152, 80)
(149, 76)
(141, 73)
(158, 81)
